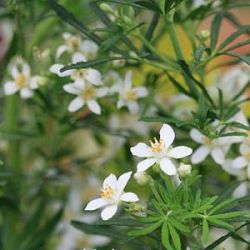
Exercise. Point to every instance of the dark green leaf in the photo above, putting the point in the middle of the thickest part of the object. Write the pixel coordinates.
(205, 231)
(175, 237)
(215, 28)
(150, 5)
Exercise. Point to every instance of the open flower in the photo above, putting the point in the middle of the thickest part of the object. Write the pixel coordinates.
(112, 194)
(216, 147)
(128, 96)
(86, 94)
(160, 151)
(243, 160)
(74, 44)
(22, 80)
(88, 75)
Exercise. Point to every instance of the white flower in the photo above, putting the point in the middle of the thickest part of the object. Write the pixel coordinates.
(217, 147)
(80, 76)
(86, 94)
(74, 44)
(112, 194)
(22, 80)
(128, 96)
(160, 152)
(243, 160)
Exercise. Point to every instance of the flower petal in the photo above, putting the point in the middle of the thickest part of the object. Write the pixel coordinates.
(241, 190)
(218, 155)
(109, 212)
(94, 76)
(94, 106)
(10, 88)
(95, 204)
(100, 92)
(76, 104)
(168, 167)
(26, 93)
(128, 80)
(56, 70)
(25, 69)
(111, 181)
(122, 181)
(167, 135)
(78, 57)
(145, 164)
(141, 91)
(89, 48)
(133, 107)
(200, 154)
(180, 152)
(35, 81)
(60, 50)
(197, 136)
(129, 197)
(239, 162)
(70, 88)
(141, 150)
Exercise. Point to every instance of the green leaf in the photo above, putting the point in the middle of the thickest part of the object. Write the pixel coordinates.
(42, 235)
(228, 215)
(205, 231)
(220, 223)
(68, 17)
(233, 36)
(225, 237)
(146, 230)
(180, 226)
(150, 5)
(165, 236)
(120, 222)
(175, 237)
(215, 28)
(89, 64)
(243, 58)
(119, 235)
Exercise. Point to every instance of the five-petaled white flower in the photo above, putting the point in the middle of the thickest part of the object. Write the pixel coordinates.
(128, 96)
(218, 147)
(86, 93)
(243, 160)
(22, 80)
(160, 152)
(74, 44)
(88, 75)
(112, 194)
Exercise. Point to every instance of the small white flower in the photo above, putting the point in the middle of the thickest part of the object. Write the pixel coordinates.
(112, 194)
(128, 96)
(217, 147)
(22, 80)
(86, 94)
(74, 44)
(80, 76)
(243, 160)
(160, 152)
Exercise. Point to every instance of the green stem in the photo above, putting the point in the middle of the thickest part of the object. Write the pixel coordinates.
(179, 54)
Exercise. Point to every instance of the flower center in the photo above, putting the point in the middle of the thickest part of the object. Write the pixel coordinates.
(247, 155)
(156, 146)
(74, 42)
(131, 95)
(21, 80)
(107, 192)
(80, 74)
(206, 141)
(89, 92)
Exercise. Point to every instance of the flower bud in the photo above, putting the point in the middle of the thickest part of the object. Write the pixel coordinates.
(204, 35)
(184, 170)
(105, 7)
(142, 178)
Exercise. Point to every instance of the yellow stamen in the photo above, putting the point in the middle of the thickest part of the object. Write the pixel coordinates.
(74, 42)
(89, 92)
(107, 192)
(21, 80)
(131, 95)
(156, 146)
